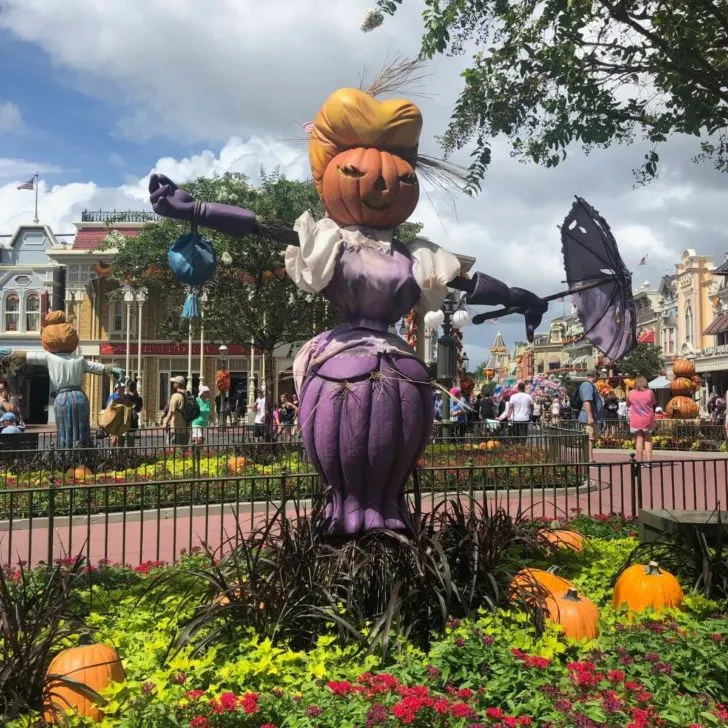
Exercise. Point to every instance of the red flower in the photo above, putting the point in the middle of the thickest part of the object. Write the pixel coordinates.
(199, 721)
(249, 703)
(524, 720)
(228, 702)
(314, 711)
(615, 676)
(461, 710)
(342, 687)
(494, 713)
(194, 694)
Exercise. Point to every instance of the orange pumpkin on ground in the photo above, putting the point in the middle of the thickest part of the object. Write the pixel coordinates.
(483, 446)
(530, 580)
(237, 465)
(683, 368)
(643, 587)
(79, 474)
(224, 599)
(95, 666)
(563, 538)
(366, 186)
(578, 615)
(681, 385)
(682, 408)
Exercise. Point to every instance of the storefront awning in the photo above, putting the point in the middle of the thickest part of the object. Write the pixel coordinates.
(646, 337)
(717, 326)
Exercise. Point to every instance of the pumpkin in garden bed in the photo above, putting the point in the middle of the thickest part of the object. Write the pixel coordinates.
(79, 474)
(578, 615)
(683, 368)
(529, 580)
(74, 678)
(682, 408)
(237, 465)
(563, 537)
(643, 587)
(492, 444)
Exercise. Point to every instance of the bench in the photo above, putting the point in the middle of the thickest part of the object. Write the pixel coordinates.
(656, 522)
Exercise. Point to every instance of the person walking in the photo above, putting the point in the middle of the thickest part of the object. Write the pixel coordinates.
(287, 413)
(174, 419)
(591, 412)
(260, 413)
(641, 403)
(202, 421)
(555, 411)
(520, 410)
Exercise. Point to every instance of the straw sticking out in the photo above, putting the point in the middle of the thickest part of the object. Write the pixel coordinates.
(398, 76)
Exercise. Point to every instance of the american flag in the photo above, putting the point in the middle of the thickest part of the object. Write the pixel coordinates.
(29, 185)
(643, 261)
(308, 127)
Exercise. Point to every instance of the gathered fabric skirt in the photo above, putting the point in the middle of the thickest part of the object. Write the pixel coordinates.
(73, 428)
(366, 417)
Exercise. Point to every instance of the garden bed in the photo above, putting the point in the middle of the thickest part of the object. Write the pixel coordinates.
(181, 479)
(493, 669)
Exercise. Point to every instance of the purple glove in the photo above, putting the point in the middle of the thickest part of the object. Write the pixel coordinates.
(169, 200)
(489, 291)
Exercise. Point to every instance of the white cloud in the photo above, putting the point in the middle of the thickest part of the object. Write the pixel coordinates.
(241, 77)
(10, 117)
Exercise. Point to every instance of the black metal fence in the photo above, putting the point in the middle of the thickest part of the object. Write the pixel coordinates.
(156, 519)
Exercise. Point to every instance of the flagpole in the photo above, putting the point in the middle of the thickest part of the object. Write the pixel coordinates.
(35, 220)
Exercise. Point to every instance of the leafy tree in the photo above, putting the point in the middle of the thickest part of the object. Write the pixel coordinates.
(645, 360)
(252, 298)
(547, 73)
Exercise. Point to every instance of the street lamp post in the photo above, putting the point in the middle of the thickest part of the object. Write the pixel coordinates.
(223, 356)
(453, 314)
(203, 301)
(128, 300)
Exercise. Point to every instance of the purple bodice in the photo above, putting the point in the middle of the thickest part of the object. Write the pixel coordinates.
(373, 286)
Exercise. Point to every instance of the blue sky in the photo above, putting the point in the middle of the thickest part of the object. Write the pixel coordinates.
(65, 127)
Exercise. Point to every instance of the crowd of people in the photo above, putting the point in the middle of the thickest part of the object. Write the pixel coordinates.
(516, 411)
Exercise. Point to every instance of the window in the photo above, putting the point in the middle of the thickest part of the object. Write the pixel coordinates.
(32, 312)
(688, 325)
(117, 314)
(12, 312)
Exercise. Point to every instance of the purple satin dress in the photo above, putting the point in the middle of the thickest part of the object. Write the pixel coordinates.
(365, 400)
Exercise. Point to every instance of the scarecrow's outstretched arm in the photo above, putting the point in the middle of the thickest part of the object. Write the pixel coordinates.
(169, 200)
(484, 290)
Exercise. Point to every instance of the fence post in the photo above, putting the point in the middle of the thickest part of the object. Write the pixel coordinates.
(635, 485)
(51, 519)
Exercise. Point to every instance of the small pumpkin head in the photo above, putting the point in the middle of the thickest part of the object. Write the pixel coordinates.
(72, 672)
(683, 368)
(644, 587)
(370, 187)
(59, 337)
(578, 615)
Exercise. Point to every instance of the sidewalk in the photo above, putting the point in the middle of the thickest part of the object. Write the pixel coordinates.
(609, 455)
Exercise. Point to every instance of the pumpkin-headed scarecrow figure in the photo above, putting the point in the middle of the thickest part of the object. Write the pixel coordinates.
(66, 371)
(366, 408)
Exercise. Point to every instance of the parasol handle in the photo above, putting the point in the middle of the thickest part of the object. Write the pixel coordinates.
(479, 318)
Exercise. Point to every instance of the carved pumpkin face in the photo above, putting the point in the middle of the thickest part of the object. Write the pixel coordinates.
(369, 187)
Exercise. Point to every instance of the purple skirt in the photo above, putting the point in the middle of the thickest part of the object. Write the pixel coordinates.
(366, 417)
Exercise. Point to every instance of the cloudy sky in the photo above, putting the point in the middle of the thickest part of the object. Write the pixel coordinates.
(95, 95)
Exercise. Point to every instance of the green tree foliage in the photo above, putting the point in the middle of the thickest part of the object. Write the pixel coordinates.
(251, 299)
(645, 360)
(549, 73)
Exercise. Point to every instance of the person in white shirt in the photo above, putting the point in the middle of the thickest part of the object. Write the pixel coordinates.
(555, 411)
(519, 410)
(259, 409)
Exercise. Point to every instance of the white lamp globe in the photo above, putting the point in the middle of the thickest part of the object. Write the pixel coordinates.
(434, 319)
(460, 319)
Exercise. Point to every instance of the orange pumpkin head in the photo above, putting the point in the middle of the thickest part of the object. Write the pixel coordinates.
(578, 615)
(643, 587)
(366, 186)
(683, 368)
(91, 666)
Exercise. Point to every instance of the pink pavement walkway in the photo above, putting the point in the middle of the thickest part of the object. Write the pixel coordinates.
(693, 482)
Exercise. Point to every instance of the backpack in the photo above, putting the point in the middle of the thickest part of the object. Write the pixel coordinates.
(190, 408)
(576, 402)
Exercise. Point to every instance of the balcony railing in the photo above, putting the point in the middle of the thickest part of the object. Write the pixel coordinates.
(715, 350)
(112, 216)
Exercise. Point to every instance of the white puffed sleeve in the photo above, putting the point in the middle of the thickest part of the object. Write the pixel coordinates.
(311, 265)
(433, 268)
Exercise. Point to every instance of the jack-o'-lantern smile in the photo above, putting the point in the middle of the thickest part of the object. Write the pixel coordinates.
(374, 203)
